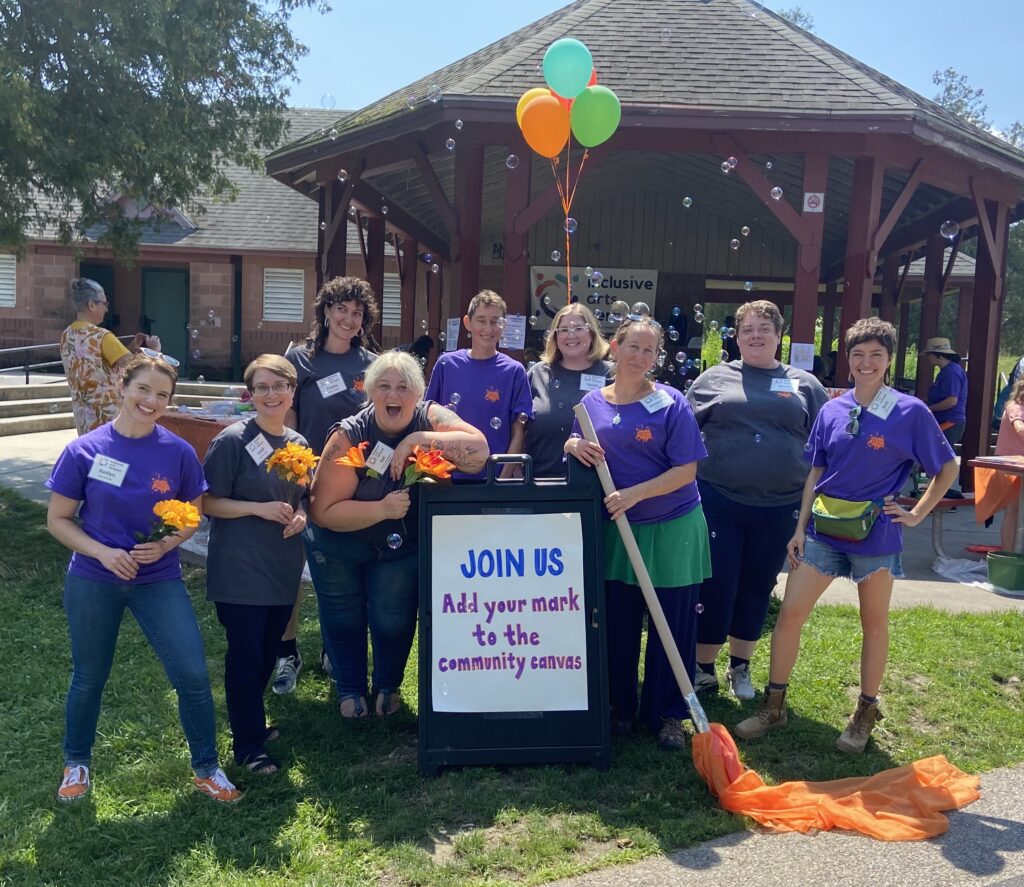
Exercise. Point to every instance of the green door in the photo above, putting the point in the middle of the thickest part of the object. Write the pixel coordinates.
(165, 309)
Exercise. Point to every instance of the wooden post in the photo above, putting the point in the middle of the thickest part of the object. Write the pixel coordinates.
(321, 259)
(890, 288)
(515, 282)
(337, 228)
(828, 319)
(410, 265)
(931, 308)
(469, 181)
(989, 291)
(375, 230)
(808, 254)
(902, 338)
(435, 323)
(859, 270)
(963, 320)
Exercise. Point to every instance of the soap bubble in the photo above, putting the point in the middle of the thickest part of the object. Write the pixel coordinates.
(333, 134)
(423, 324)
(234, 338)
(495, 423)
(713, 326)
(428, 257)
(533, 320)
(680, 357)
(200, 377)
(620, 307)
(456, 397)
(210, 314)
(459, 124)
(555, 255)
(343, 176)
(949, 229)
(673, 334)
(776, 193)
(677, 311)
(748, 285)
(195, 333)
(327, 102)
(745, 231)
(512, 161)
(410, 102)
(546, 300)
(435, 268)
(557, 383)
(196, 354)
(699, 316)
(733, 162)
(351, 212)
(726, 168)
(571, 225)
(687, 202)
(757, 438)
(596, 278)
(698, 307)
(449, 144)
(442, 336)
(588, 271)
(666, 35)
(323, 226)
(724, 357)
(434, 93)
(394, 541)
(700, 607)
(641, 308)
(734, 244)
(384, 210)
(768, 164)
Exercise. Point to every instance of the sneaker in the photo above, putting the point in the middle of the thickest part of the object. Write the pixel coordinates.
(739, 682)
(706, 682)
(287, 673)
(218, 787)
(855, 737)
(671, 736)
(325, 664)
(75, 784)
(770, 715)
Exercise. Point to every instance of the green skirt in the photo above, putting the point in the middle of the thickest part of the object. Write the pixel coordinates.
(676, 552)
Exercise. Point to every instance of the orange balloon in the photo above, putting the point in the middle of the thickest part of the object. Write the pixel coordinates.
(527, 97)
(545, 125)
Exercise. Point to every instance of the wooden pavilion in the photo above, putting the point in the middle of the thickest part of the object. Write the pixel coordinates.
(870, 174)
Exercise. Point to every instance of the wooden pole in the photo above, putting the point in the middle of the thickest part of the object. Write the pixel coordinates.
(808, 254)
(931, 308)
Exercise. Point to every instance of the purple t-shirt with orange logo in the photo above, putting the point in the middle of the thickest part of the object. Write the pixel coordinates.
(875, 462)
(642, 445)
(118, 501)
(489, 394)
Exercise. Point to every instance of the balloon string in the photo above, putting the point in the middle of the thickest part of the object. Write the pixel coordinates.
(568, 205)
(579, 174)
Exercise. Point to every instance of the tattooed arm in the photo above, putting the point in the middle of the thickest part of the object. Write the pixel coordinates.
(460, 442)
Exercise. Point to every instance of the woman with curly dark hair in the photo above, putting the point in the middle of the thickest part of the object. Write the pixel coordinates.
(329, 387)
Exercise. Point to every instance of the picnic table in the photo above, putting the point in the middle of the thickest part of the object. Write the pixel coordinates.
(997, 481)
(197, 430)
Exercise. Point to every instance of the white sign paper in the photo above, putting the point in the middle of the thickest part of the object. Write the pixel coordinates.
(451, 333)
(631, 285)
(814, 201)
(508, 620)
(513, 337)
(801, 355)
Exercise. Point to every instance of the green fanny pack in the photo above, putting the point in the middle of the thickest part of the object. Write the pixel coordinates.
(842, 519)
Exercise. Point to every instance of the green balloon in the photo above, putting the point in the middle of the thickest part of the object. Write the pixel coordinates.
(595, 115)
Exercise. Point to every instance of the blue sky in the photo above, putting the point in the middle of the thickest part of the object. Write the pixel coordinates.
(360, 52)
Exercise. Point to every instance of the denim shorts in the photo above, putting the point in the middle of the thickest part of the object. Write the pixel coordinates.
(831, 561)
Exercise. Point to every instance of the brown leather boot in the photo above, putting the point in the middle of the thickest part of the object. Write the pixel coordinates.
(855, 737)
(771, 713)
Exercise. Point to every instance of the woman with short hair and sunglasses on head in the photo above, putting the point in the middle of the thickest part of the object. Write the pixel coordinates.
(572, 364)
(329, 368)
(862, 447)
(117, 474)
(255, 553)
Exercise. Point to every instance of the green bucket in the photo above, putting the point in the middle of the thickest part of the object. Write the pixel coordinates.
(1006, 570)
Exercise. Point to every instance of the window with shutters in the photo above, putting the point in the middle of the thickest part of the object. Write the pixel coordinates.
(391, 301)
(8, 281)
(283, 294)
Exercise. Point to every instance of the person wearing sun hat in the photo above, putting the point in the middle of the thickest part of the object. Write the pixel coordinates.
(947, 396)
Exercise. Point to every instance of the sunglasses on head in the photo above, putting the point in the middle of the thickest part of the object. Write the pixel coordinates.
(159, 355)
(853, 426)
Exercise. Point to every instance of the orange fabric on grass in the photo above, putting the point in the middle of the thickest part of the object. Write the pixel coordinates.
(902, 804)
(994, 490)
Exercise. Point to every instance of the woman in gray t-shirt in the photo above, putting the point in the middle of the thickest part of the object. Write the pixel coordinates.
(755, 415)
(572, 364)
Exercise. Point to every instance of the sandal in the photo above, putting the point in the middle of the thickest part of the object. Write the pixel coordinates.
(388, 703)
(272, 733)
(356, 710)
(261, 764)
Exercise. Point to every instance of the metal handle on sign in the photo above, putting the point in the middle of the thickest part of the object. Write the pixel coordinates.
(510, 459)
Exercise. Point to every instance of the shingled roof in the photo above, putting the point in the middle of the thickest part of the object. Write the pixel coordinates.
(703, 56)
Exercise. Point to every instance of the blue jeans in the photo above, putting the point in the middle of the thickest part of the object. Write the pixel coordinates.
(164, 613)
(358, 586)
(831, 561)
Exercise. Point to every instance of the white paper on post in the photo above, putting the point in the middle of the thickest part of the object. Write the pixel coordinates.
(508, 619)
(513, 337)
(801, 355)
(451, 333)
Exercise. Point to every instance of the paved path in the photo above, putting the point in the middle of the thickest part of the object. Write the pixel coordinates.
(985, 843)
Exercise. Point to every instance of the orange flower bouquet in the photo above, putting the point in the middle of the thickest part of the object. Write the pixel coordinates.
(293, 464)
(356, 458)
(427, 467)
(172, 515)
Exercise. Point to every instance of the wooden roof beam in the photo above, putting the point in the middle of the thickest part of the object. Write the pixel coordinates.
(367, 196)
(441, 202)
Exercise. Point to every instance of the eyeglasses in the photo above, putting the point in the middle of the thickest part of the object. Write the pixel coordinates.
(159, 355)
(571, 330)
(853, 427)
(277, 388)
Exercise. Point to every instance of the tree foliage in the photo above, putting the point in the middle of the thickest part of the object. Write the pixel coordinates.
(146, 100)
(957, 95)
(799, 17)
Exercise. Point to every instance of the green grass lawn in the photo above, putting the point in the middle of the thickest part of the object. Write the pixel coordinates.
(351, 807)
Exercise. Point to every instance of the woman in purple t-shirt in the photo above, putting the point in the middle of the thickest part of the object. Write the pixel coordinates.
(651, 443)
(862, 447)
(117, 474)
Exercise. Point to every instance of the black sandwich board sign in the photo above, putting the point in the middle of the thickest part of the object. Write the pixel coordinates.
(511, 633)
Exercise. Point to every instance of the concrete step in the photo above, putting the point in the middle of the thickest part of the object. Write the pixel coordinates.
(34, 392)
(29, 424)
(48, 406)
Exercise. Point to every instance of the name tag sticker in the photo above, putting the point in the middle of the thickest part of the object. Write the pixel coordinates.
(259, 449)
(883, 403)
(790, 385)
(108, 471)
(591, 382)
(380, 459)
(331, 385)
(657, 401)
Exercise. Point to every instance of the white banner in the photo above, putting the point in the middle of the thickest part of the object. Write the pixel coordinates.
(631, 285)
(508, 629)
